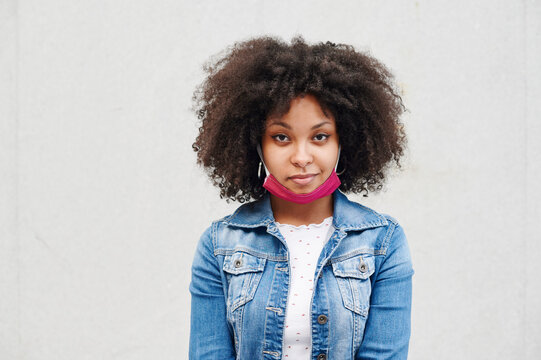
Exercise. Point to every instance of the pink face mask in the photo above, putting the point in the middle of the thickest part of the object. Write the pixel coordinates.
(274, 187)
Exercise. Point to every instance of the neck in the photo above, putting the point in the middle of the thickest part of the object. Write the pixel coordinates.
(287, 212)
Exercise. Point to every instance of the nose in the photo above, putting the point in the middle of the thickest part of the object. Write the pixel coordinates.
(301, 156)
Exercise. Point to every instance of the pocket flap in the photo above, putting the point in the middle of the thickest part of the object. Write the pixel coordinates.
(240, 263)
(359, 267)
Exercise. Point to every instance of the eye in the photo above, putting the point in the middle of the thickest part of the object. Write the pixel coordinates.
(280, 137)
(321, 137)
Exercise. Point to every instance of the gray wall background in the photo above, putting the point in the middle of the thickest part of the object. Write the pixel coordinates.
(102, 204)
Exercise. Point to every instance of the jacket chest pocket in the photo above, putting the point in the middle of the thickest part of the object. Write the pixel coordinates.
(353, 277)
(243, 272)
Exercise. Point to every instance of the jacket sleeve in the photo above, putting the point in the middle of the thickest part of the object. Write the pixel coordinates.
(210, 336)
(387, 330)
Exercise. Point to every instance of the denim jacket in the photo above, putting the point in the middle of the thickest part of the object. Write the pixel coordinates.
(362, 286)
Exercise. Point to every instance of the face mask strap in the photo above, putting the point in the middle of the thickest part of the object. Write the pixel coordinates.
(261, 157)
(337, 158)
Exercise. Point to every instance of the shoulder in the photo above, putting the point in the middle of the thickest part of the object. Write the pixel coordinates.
(394, 234)
(379, 229)
(246, 230)
(246, 215)
(390, 244)
(395, 250)
(252, 214)
(351, 215)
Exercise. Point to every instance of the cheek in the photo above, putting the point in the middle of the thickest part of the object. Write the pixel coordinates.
(271, 155)
(329, 160)
(265, 149)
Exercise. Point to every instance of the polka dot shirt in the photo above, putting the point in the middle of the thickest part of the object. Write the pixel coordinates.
(305, 243)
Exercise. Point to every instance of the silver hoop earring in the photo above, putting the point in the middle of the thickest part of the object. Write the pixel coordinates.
(259, 171)
(341, 172)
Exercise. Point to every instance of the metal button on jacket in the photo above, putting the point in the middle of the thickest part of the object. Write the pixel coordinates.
(238, 263)
(363, 268)
(322, 357)
(322, 319)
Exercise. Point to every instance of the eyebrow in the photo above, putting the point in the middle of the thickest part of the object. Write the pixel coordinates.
(281, 123)
(321, 124)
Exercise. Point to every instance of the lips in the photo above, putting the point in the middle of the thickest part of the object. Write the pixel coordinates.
(303, 179)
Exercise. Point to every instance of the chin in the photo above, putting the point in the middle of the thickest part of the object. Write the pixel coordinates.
(304, 189)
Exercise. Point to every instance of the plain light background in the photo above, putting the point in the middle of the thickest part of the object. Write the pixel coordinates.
(101, 202)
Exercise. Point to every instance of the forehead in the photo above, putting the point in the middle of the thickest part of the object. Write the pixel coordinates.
(303, 110)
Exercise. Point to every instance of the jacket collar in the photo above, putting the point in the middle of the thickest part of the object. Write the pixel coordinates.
(348, 215)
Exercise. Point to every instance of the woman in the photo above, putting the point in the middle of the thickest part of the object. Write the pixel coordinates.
(301, 272)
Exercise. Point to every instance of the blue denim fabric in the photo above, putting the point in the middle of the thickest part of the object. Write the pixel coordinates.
(362, 283)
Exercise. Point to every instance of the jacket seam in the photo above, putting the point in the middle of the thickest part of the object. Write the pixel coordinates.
(344, 227)
(227, 252)
(364, 226)
(354, 253)
(386, 240)
(213, 236)
(259, 224)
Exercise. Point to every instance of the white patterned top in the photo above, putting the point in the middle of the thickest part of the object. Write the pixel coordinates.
(305, 243)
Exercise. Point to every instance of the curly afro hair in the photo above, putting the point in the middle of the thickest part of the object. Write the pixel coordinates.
(255, 79)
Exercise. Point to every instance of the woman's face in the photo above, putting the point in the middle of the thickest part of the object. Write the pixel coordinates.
(301, 148)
